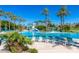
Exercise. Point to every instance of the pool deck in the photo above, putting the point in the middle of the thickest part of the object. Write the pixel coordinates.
(44, 47)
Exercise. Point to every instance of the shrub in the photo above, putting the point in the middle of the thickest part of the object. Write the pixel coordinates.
(33, 50)
(66, 28)
(41, 27)
(17, 43)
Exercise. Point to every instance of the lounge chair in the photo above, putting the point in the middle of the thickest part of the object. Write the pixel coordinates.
(50, 39)
(71, 42)
(59, 40)
(33, 38)
(40, 39)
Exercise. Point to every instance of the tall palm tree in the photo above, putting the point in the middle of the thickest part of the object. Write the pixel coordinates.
(14, 18)
(5, 25)
(1, 14)
(21, 20)
(46, 14)
(9, 15)
(62, 13)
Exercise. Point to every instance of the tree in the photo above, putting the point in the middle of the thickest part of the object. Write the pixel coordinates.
(14, 18)
(46, 14)
(66, 28)
(21, 20)
(9, 15)
(1, 14)
(49, 25)
(41, 27)
(62, 13)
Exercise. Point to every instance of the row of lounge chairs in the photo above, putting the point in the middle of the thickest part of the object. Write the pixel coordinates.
(57, 40)
(67, 41)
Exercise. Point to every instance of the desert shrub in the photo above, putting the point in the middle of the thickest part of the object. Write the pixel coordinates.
(41, 27)
(17, 43)
(66, 28)
(33, 50)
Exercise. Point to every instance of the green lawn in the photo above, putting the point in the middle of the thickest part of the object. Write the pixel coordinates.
(74, 29)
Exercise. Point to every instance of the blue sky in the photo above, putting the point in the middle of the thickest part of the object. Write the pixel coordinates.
(33, 12)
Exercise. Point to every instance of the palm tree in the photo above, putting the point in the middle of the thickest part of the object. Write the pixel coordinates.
(21, 20)
(62, 13)
(14, 18)
(5, 25)
(1, 14)
(9, 15)
(46, 14)
(16, 43)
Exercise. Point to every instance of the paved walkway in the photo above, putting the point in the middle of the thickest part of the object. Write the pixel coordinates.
(43, 47)
(2, 50)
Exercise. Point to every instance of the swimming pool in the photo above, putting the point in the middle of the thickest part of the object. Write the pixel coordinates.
(49, 34)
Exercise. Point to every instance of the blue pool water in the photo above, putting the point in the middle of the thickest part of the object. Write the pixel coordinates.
(48, 34)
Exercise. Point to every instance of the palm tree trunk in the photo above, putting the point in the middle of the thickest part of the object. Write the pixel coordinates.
(0, 26)
(14, 26)
(46, 22)
(5, 26)
(19, 25)
(9, 26)
(62, 23)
